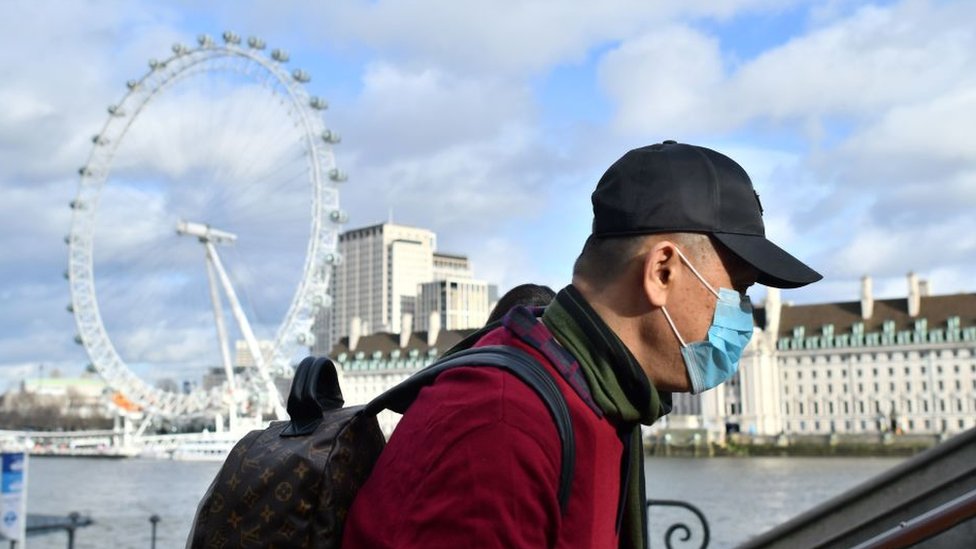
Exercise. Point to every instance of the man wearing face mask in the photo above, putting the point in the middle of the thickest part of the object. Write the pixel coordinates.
(657, 304)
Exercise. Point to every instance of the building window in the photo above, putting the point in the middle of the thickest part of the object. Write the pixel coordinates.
(925, 385)
(908, 386)
(955, 368)
(907, 370)
(962, 424)
(816, 409)
(816, 425)
(958, 385)
(908, 406)
(829, 373)
(860, 388)
(923, 369)
(941, 385)
(874, 372)
(942, 405)
(925, 405)
(938, 369)
(799, 374)
(860, 406)
(864, 425)
(959, 405)
(787, 406)
(891, 371)
(815, 389)
(847, 408)
(799, 407)
(928, 424)
(859, 372)
(830, 407)
(877, 389)
(813, 374)
(911, 424)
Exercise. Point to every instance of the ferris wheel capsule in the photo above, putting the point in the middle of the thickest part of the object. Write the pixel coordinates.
(337, 175)
(180, 49)
(132, 84)
(318, 103)
(301, 76)
(116, 110)
(255, 43)
(279, 55)
(205, 40)
(331, 137)
(231, 38)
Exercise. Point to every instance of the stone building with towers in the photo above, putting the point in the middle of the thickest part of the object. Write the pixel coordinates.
(905, 365)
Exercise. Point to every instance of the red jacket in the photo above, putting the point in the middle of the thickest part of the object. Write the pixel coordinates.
(474, 463)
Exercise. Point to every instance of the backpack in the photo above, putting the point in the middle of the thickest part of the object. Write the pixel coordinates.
(292, 484)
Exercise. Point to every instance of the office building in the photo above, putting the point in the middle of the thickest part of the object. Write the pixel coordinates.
(461, 303)
(381, 277)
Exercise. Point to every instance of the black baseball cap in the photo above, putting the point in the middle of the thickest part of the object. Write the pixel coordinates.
(673, 187)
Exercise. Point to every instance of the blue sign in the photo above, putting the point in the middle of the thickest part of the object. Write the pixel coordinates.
(12, 481)
(13, 496)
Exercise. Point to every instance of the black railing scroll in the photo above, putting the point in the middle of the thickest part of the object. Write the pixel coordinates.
(680, 529)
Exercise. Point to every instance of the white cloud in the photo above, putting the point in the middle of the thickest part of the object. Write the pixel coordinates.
(856, 67)
(665, 81)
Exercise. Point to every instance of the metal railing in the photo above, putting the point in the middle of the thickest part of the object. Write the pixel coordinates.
(926, 525)
(681, 528)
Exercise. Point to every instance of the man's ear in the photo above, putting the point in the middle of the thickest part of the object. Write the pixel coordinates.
(659, 271)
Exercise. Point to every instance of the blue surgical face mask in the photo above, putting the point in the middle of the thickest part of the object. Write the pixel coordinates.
(716, 359)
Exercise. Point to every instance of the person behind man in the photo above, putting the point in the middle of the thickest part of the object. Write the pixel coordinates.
(526, 295)
(657, 304)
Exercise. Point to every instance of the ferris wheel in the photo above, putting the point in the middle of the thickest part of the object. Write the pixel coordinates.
(204, 230)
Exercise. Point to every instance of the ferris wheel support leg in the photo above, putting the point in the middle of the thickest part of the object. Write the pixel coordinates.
(222, 339)
(245, 326)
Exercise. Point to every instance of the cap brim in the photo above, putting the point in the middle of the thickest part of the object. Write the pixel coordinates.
(776, 267)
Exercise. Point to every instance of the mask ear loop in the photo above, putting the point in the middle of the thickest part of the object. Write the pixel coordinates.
(694, 270)
(673, 328)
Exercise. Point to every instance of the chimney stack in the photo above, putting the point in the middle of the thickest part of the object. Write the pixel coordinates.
(924, 289)
(867, 300)
(433, 327)
(355, 332)
(406, 329)
(914, 295)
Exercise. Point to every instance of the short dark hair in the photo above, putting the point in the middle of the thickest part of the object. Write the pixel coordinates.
(526, 295)
(604, 259)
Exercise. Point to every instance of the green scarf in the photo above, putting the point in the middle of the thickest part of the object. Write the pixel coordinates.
(619, 387)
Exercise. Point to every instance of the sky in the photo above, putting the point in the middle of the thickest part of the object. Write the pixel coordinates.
(490, 123)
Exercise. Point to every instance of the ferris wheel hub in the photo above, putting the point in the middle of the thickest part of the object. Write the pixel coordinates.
(204, 232)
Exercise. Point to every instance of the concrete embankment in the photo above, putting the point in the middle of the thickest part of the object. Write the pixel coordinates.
(700, 443)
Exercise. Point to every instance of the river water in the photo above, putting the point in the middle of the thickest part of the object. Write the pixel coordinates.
(741, 497)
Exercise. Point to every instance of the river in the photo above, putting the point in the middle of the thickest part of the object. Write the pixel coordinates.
(741, 497)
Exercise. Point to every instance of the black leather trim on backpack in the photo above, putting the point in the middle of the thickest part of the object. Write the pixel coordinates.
(520, 364)
(314, 390)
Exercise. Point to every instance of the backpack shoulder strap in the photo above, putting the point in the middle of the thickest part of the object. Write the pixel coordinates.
(513, 360)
